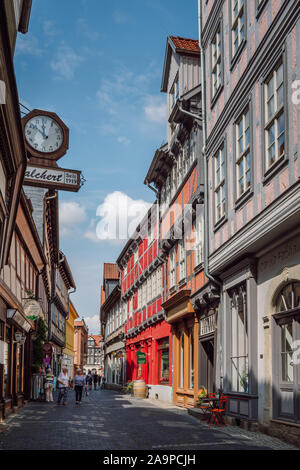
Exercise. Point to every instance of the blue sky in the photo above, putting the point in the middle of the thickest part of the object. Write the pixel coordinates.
(98, 64)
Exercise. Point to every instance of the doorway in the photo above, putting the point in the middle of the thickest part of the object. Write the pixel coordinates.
(206, 364)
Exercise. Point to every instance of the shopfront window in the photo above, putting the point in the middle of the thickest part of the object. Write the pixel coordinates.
(19, 368)
(182, 361)
(163, 358)
(239, 340)
(7, 361)
(191, 344)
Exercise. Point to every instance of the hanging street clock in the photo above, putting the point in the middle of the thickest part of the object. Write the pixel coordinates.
(46, 136)
(47, 140)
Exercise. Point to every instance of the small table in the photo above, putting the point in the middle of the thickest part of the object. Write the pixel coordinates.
(212, 403)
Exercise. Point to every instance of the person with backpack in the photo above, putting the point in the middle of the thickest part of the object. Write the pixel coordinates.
(89, 380)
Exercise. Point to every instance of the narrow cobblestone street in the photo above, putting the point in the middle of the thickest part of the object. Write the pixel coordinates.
(107, 420)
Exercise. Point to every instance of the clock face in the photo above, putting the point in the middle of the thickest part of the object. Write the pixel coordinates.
(44, 134)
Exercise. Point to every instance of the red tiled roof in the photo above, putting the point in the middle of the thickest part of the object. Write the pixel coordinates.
(111, 271)
(97, 339)
(190, 45)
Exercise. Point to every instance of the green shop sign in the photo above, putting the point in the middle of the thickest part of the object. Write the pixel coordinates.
(140, 357)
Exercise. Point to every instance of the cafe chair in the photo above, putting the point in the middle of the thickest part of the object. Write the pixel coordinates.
(217, 414)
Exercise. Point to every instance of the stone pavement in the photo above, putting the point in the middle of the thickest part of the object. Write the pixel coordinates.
(107, 420)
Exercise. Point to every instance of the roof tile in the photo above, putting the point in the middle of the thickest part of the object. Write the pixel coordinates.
(190, 45)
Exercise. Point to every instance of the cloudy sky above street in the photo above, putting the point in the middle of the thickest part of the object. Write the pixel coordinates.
(98, 64)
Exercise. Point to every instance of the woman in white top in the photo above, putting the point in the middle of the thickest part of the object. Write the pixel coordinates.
(63, 385)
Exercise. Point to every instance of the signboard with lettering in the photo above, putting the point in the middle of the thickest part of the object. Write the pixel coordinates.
(140, 357)
(52, 178)
(32, 309)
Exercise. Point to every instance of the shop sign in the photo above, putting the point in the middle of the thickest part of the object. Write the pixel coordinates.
(207, 325)
(53, 178)
(32, 309)
(18, 318)
(140, 357)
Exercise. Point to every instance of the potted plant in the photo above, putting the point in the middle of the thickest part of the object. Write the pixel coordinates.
(129, 388)
(202, 393)
(244, 381)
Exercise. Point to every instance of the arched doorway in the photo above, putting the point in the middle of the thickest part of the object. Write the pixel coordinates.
(286, 342)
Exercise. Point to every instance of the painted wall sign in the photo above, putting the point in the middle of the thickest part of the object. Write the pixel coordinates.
(52, 178)
(140, 357)
(32, 309)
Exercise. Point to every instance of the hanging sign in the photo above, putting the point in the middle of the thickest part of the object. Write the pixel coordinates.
(32, 309)
(140, 357)
(52, 178)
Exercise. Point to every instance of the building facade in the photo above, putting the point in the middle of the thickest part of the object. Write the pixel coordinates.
(177, 175)
(252, 151)
(80, 344)
(112, 321)
(69, 351)
(94, 361)
(20, 280)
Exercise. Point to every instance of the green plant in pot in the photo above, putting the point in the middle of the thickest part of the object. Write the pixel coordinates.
(202, 393)
(129, 388)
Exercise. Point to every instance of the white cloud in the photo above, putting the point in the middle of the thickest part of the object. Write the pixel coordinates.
(120, 215)
(49, 28)
(124, 140)
(66, 61)
(93, 324)
(121, 18)
(71, 214)
(155, 109)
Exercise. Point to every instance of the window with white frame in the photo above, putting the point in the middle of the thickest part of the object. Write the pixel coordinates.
(149, 289)
(193, 138)
(154, 284)
(216, 61)
(159, 281)
(220, 186)
(174, 180)
(174, 92)
(198, 240)
(186, 158)
(130, 312)
(179, 167)
(181, 248)
(239, 340)
(238, 24)
(274, 116)
(136, 256)
(172, 258)
(243, 155)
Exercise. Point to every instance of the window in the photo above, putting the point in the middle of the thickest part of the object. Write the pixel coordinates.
(193, 153)
(220, 187)
(243, 155)
(181, 247)
(274, 116)
(216, 61)
(174, 180)
(198, 240)
(238, 24)
(136, 256)
(163, 361)
(149, 289)
(154, 284)
(239, 340)
(18, 250)
(186, 158)
(174, 93)
(172, 259)
(287, 371)
(7, 361)
(179, 168)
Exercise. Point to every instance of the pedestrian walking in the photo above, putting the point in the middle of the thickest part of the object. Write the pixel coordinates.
(95, 379)
(63, 384)
(79, 383)
(89, 380)
(49, 378)
(99, 379)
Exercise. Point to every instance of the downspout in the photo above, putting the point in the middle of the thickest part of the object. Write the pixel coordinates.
(206, 189)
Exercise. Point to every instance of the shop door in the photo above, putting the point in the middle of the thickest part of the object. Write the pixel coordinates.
(206, 365)
(286, 346)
